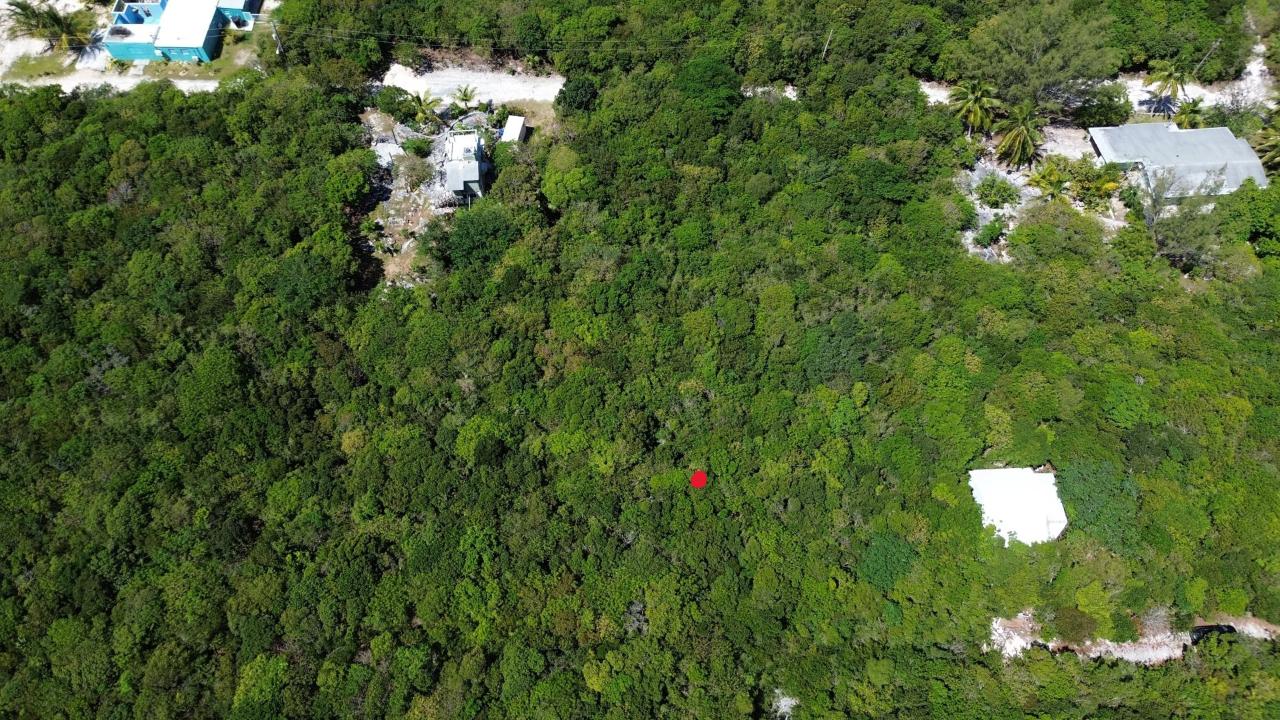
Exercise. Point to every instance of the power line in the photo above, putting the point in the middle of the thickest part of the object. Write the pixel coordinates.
(451, 43)
(281, 32)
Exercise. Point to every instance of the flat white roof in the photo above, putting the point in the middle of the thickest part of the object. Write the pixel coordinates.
(185, 23)
(463, 146)
(1021, 503)
(131, 33)
(513, 131)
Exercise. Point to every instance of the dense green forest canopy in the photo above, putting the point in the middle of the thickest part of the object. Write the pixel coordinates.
(240, 477)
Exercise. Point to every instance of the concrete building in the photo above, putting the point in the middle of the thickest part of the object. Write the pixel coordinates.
(176, 30)
(1180, 163)
(464, 164)
(1021, 503)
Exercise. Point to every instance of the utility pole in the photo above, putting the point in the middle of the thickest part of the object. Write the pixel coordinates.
(276, 36)
(827, 44)
(1212, 47)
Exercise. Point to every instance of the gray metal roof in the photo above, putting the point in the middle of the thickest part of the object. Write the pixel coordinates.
(460, 172)
(1193, 159)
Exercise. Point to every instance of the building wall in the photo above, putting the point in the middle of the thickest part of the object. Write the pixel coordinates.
(205, 53)
(129, 51)
(242, 10)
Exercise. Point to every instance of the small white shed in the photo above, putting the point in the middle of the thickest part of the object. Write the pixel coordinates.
(1021, 503)
(514, 130)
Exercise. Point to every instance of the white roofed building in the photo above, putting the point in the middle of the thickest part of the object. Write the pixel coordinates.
(177, 30)
(1021, 503)
(1205, 161)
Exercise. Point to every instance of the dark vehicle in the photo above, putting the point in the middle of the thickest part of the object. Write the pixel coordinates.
(1203, 631)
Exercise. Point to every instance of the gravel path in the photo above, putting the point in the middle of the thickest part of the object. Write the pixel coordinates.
(495, 85)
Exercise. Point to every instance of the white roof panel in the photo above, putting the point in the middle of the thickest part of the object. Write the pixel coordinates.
(185, 23)
(463, 146)
(1193, 159)
(513, 131)
(1021, 503)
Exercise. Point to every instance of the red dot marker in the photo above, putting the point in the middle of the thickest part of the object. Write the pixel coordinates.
(699, 479)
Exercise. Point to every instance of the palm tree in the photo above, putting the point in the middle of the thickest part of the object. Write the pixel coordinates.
(1021, 139)
(425, 105)
(975, 103)
(1190, 114)
(1169, 82)
(465, 95)
(1049, 180)
(71, 32)
(1267, 143)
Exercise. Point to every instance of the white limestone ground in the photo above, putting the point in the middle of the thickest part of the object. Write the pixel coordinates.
(497, 86)
(1071, 142)
(1026, 195)
(783, 705)
(1249, 626)
(937, 93)
(1255, 85)
(1158, 643)
(13, 48)
(1014, 636)
(768, 91)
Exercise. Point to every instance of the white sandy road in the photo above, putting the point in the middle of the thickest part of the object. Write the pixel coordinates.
(495, 85)
(1255, 84)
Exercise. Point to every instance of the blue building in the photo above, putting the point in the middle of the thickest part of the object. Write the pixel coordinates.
(178, 30)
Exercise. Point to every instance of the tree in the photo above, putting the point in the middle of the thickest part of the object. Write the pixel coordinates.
(975, 103)
(1267, 143)
(71, 32)
(1190, 114)
(1044, 52)
(425, 105)
(465, 95)
(1168, 82)
(1020, 135)
(1106, 104)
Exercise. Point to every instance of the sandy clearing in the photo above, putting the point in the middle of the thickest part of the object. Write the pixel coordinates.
(937, 93)
(1014, 636)
(13, 48)
(1255, 84)
(1249, 626)
(496, 85)
(1068, 141)
(787, 91)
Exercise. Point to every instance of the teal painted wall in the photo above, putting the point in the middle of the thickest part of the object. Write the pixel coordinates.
(131, 51)
(205, 53)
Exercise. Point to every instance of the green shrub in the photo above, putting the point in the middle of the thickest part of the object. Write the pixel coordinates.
(991, 233)
(994, 191)
(395, 102)
(418, 146)
(968, 213)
